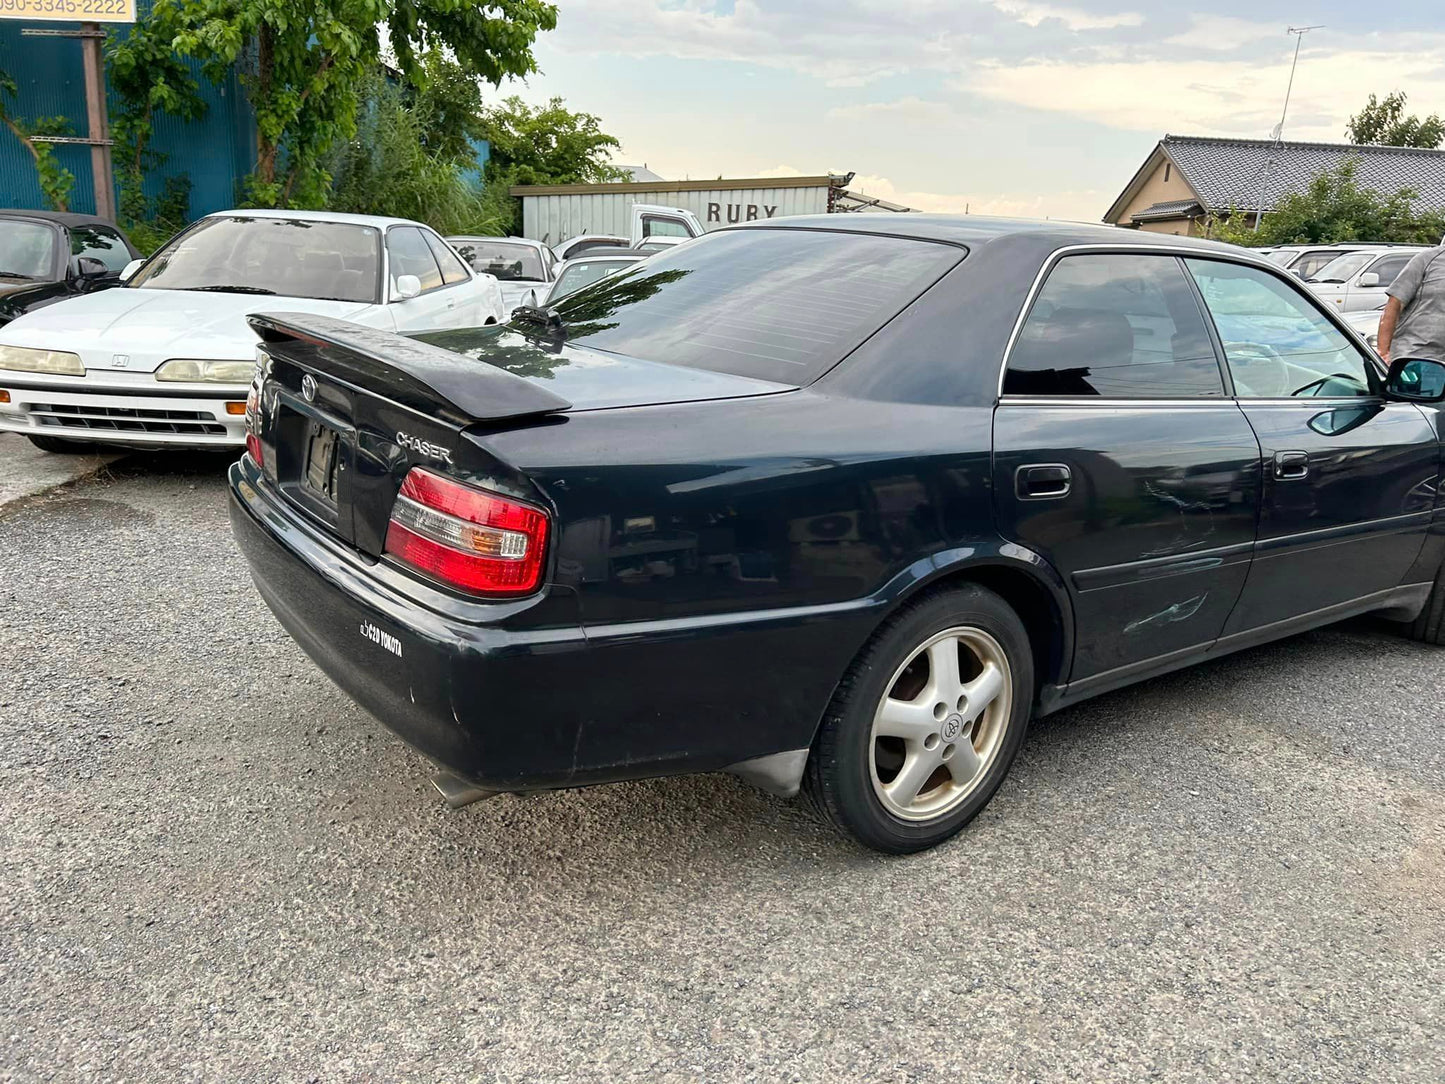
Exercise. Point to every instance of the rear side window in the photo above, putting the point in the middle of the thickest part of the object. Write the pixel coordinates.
(1121, 326)
(410, 255)
(775, 304)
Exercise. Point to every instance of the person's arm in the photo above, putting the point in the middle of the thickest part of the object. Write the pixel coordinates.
(1386, 335)
(1401, 294)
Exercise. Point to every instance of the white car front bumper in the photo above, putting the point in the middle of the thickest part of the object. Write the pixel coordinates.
(129, 409)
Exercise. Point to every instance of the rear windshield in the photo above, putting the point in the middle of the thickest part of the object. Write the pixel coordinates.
(510, 263)
(775, 304)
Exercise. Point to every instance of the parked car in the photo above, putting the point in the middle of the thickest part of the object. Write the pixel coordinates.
(48, 256)
(650, 226)
(849, 524)
(590, 244)
(1304, 261)
(1366, 324)
(574, 274)
(167, 359)
(1357, 280)
(519, 265)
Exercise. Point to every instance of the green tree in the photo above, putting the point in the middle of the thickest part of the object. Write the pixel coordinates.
(448, 105)
(549, 144)
(147, 77)
(304, 60)
(56, 182)
(391, 167)
(1336, 208)
(1386, 124)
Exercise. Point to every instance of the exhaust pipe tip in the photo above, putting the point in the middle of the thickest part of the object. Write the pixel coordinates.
(458, 792)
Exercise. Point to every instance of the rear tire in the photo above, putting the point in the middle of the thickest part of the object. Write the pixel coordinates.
(1429, 627)
(914, 745)
(59, 446)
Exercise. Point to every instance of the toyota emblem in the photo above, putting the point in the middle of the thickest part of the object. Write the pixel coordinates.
(308, 388)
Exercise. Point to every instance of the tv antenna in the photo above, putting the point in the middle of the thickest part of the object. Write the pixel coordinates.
(1277, 136)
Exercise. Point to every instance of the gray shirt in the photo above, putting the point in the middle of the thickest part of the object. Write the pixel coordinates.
(1420, 288)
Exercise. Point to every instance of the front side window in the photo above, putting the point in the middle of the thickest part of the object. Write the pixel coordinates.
(335, 261)
(1277, 342)
(1390, 267)
(452, 268)
(27, 250)
(502, 259)
(1116, 325)
(656, 226)
(99, 243)
(411, 255)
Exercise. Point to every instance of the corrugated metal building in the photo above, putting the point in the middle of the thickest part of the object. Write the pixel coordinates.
(555, 213)
(215, 152)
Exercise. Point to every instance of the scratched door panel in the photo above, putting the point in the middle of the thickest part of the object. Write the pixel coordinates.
(1155, 535)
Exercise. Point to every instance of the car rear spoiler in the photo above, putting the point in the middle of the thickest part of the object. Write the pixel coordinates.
(426, 378)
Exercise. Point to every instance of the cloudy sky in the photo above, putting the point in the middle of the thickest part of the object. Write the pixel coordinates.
(1000, 106)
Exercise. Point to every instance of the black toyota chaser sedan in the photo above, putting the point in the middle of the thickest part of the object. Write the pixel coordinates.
(832, 503)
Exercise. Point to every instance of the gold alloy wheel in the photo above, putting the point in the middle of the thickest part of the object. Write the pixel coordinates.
(939, 726)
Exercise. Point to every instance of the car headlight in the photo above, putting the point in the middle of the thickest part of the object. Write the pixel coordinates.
(207, 372)
(26, 360)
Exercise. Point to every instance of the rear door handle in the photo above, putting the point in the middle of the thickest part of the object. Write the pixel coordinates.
(1291, 466)
(1043, 481)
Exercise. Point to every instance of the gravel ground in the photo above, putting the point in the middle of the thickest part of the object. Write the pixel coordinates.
(215, 867)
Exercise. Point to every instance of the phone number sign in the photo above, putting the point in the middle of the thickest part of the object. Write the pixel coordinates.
(69, 11)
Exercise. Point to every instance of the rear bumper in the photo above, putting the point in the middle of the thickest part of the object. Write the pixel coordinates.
(514, 708)
(137, 416)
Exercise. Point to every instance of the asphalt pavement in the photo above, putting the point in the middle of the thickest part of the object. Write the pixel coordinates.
(214, 867)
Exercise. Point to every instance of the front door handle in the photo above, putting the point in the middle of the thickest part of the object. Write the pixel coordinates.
(1291, 466)
(1043, 481)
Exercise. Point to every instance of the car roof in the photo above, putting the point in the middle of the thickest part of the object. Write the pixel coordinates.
(380, 222)
(613, 254)
(506, 240)
(975, 231)
(62, 218)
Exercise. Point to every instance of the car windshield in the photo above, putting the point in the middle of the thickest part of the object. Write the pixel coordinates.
(501, 259)
(338, 261)
(1281, 258)
(1343, 268)
(776, 304)
(27, 250)
(578, 275)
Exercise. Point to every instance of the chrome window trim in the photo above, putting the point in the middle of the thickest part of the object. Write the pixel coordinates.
(1179, 252)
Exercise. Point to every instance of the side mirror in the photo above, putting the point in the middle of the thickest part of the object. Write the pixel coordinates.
(1369, 278)
(407, 287)
(1416, 380)
(88, 267)
(130, 269)
(532, 298)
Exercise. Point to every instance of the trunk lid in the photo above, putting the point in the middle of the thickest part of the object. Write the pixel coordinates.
(346, 411)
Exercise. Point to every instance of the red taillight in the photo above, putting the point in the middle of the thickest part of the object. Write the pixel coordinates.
(469, 538)
(253, 423)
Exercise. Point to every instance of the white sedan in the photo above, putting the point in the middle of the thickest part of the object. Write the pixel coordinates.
(167, 359)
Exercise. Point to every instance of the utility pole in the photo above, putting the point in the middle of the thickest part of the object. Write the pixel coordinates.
(1299, 33)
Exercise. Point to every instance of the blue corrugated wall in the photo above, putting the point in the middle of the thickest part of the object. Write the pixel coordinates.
(216, 152)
